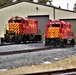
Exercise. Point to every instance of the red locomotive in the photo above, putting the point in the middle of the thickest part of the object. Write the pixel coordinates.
(58, 33)
(22, 30)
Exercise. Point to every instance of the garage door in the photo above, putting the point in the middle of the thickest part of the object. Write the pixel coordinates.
(42, 20)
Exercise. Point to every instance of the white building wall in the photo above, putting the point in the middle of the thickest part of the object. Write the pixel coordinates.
(22, 9)
(25, 9)
(63, 14)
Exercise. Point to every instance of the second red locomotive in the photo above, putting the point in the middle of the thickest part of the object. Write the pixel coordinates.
(58, 33)
(22, 30)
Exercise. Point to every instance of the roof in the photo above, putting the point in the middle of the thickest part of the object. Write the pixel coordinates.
(37, 4)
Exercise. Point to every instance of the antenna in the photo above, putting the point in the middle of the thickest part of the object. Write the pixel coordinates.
(67, 6)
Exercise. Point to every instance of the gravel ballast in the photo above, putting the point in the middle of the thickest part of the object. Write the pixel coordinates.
(21, 47)
(33, 58)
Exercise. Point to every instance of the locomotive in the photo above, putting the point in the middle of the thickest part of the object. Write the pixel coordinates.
(22, 30)
(58, 34)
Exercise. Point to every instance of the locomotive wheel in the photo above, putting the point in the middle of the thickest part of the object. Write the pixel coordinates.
(7, 38)
(72, 43)
(16, 39)
(24, 41)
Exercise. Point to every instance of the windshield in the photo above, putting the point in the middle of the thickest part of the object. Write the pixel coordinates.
(55, 25)
(17, 21)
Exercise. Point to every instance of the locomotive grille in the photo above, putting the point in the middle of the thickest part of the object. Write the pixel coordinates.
(53, 32)
(14, 27)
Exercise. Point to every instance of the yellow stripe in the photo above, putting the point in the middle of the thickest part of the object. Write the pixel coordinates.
(53, 32)
(14, 27)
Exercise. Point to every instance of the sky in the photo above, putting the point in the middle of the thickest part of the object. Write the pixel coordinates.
(63, 3)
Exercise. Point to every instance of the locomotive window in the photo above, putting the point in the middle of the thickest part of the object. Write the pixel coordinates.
(19, 21)
(23, 22)
(48, 26)
(62, 26)
(53, 25)
(56, 25)
(35, 21)
(69, 26)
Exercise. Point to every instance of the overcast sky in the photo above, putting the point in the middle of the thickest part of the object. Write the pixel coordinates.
(63, 3)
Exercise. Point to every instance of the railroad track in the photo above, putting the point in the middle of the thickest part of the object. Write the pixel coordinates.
(23, 51)
(6, 44)
(26, 51)
(57, 72)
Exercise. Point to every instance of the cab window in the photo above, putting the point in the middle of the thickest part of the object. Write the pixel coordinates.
(62, 26)
(56, 25)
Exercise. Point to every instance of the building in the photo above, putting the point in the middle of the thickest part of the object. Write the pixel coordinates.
(33, 10)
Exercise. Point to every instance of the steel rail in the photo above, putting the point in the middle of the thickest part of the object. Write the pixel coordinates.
(23, 51)
(16, 44)
(6, 44)
(57, 72)
(28, 50)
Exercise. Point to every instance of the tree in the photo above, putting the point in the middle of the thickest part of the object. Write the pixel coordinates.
(26, 0)
(74, 9)
(5, 2)
(42, 1)
(39, 1)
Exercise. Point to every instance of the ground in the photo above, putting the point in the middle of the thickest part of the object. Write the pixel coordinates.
(62, 64)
